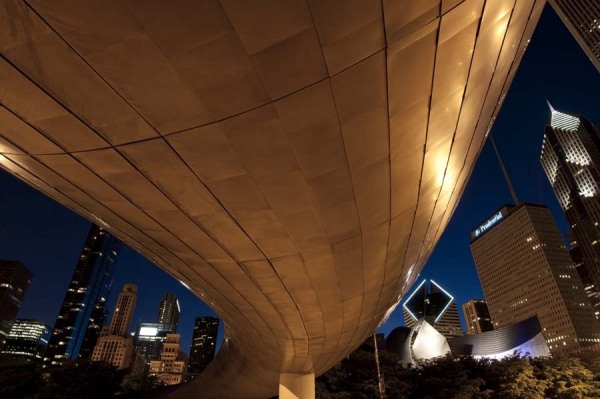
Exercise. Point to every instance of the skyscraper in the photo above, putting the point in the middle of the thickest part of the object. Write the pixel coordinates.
(436, 306)
(582, 18)
(525, 270)
(114, 345)
(27, 338)
(571, 159)
(168, 313)
(204, 342)
(81, 316)
(14, 281)
(477, 316)
(123, 311)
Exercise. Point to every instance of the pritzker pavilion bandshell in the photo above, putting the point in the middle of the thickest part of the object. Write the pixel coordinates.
(292, 162)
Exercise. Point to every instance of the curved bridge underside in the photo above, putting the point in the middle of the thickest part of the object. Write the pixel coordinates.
(293, 163)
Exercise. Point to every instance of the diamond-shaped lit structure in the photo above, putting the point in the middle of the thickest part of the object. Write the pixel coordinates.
(430, 302)
(292, 162)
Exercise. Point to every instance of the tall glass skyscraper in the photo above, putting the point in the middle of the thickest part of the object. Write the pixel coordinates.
(168, 313)
(582, 18)
(204, 342)
(571, 159)
(82, 313)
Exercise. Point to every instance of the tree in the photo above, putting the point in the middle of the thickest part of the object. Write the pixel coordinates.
(83, 380)
(20, 380)
(517, 379)
(567, 378)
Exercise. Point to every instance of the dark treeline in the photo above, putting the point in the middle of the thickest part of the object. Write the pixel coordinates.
(463, 378)
(353, 378)
(74, 380)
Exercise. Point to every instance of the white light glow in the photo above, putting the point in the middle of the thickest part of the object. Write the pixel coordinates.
(410, 297)
(148, 331)
(446, 307)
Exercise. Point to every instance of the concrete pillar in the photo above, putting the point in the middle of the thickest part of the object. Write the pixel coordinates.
(296, 386)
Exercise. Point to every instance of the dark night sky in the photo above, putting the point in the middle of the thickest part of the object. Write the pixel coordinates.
(48, 238)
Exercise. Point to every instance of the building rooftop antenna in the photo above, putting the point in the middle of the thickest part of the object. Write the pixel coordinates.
(504, 172)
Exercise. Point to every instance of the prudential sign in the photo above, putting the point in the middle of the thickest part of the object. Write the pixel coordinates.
(489, 223)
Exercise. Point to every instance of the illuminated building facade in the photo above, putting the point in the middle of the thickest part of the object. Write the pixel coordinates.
(571, 159)
(168, 312)
(82, 314)
(525, 338)
(582, 18)
(15, 278)
(27, 338)
(477, 316)
(429, 301)
(172, 365)
(115, 346)
(204, 342)
(293, 163)
(525, 270)
(121, 319)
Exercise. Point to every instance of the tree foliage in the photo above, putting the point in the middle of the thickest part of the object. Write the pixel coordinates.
(451, 377)
(74, 380)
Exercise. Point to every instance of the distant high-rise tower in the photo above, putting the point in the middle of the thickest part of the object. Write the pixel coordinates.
(115, 346)
(525, 270)
(204, 342)
(123, 313)
(168, 313)
(477, 316)
(582, 18)
(436, 306)
(27, 338)
(82, 313)
(151, 336)
(14, 281)
(571, 159)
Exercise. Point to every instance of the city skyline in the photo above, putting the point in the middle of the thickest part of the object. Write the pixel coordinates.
(132, 264)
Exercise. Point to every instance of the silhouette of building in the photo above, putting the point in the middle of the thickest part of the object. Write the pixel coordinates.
(172, 364)
(582, 18)
(571, 159)
(14, 281)
(525, 270)
(477, 316)
(114, 345)
(434, 304)
(82, 314)
(27, 338)
(204, 342)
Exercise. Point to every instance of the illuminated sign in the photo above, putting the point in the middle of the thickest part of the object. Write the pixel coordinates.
(149, 331)
(489, 223)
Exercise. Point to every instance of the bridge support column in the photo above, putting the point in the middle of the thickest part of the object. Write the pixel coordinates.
(296, 386)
